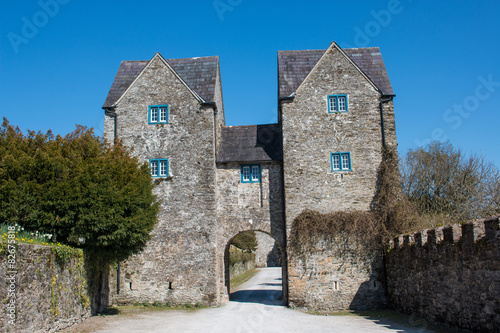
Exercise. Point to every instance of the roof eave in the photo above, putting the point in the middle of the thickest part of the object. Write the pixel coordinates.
(247, 161)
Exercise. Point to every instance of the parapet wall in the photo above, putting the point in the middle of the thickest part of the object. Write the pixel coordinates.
(449, 274)
(39, 292)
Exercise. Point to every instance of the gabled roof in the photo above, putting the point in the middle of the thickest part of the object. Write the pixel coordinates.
(294, 66)
(256, 143)
(127, 72)
(200, 74)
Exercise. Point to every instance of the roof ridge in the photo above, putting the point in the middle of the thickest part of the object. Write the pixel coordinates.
(302, 50)
(194, 58)
(362, 48)
(234, 126)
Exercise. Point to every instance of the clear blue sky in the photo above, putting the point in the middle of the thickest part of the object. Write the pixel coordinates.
(57, 63)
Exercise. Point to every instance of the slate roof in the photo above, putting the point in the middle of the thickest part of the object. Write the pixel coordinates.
(369, 59)
(127, 72)
(256, 143)
(294, 66)
(200, 75)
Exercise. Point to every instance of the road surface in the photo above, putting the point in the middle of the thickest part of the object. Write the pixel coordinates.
(255, 307)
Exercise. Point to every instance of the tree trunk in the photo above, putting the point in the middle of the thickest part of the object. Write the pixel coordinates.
(97, 282)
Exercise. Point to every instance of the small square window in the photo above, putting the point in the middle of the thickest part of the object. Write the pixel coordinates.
(158, 114)
(250, 173)
(341, 161)
(159, 168)
(337, 103)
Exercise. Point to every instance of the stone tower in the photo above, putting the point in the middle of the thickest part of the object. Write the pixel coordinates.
(215, 181)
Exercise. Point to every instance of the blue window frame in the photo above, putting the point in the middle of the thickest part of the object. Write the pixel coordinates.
(341, 161)
(250, 173)
(337, 103)
(159, 168)
(158, 114)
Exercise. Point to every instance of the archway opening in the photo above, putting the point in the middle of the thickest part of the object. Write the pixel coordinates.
(255, 271)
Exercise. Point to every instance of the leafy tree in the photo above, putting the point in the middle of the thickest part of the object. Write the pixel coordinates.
(81, 190)
(447, 186)
(246, 241)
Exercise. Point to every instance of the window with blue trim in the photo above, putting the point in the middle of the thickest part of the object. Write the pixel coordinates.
(250, 173)
(337, 103)
(158, 114)
(341, 161)
(159, 168)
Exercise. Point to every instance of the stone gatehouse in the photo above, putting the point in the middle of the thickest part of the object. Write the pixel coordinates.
(215, 181)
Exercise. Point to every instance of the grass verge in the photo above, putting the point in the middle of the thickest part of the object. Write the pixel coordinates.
(240, 279)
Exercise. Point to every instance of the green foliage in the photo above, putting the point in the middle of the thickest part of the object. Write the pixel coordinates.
(246, 241)
(242, 278)
(54, 296)
(236, 255)
(23, 236)
(79, 189)
(64, 253)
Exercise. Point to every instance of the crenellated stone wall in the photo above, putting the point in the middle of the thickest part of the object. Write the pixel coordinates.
(50, 293)
(449, 274)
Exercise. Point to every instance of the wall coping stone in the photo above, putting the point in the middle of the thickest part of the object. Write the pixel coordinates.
(467, 233)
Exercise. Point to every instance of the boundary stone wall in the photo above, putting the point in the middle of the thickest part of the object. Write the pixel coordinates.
(240, 267)
(449, 274)
(49, 296)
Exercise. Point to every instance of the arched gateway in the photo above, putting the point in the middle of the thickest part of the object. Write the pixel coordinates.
(274, 256)
(213, 181)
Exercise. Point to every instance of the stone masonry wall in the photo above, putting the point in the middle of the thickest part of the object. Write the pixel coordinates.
(178, 264)
(220, 119)
(311, 134)
(449, 274)
(267, 253)
(48, 296)
(239, 267)
(248, 206)
(335, 276)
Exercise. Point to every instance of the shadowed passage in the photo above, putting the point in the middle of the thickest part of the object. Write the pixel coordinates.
(265, 288)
